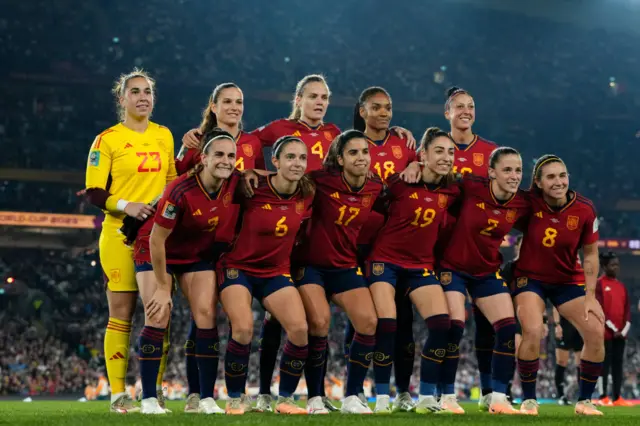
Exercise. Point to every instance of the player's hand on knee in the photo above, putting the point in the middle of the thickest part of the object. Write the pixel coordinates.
(592, 305)
(160, 305)
(191, 139)
(140, 211)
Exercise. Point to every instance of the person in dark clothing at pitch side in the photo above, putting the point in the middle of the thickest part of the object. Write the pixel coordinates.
(614, 298)
(567, 340)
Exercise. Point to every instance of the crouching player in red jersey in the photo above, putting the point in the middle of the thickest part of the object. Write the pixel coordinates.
(178, 242)
(258, 266)
(403, 258)
(561, 223)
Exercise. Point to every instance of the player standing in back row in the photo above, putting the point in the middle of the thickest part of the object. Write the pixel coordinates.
(129, 165)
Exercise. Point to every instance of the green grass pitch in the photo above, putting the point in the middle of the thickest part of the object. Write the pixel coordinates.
(62, 413)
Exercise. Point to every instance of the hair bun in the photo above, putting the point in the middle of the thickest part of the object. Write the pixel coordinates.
(451, 90)
(431, 131)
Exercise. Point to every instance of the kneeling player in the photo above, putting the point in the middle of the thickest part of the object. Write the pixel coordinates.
(258, 266)
(562, 222)
(179, 244)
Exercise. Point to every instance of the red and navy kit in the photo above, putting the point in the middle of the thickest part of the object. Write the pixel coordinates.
(194, 217)
(388, 156)
(472, 257)
(260, 256)
(328, 254)
(317, 139)
(614, 299)
(404, 247)
(549, 264)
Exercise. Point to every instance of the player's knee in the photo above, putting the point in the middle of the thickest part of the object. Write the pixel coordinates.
(204, 314)
(594, 338)
(505, 330)
(122, 308)
(158, 321)
(298, 333)
(242, 332)
(532, 332)
(366, 324)
(319, 324)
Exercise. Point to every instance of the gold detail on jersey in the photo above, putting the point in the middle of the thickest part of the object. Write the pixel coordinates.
(396, 151)
(463, 171)
(442, 200)
(317, 149)
(480, 205)
(414, 196)
(539, 215)
(353, 211)
(213, 223)
(281, 227)
(388, 168)
(296, 133)
(266, 207)
(366, 200)
(114, 276)
(377, 269)
(549, 239)
(335, 195)
(247, 149)
(240, 164)
(445, 278)
(299, 207)
(522, 282)
(426, 272)
(197, 213)
(572, 223)
(478, 159)
(232, 273)
(427, 217)
(359, 271)
(493, 224)
(328, 136)
(511, 215)
(226, 200)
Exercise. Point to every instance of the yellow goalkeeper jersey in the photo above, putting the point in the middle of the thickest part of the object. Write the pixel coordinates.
(132, 166)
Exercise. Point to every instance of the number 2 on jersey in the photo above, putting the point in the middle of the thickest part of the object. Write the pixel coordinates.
(154, 165)
(353, 211)
(493, 224)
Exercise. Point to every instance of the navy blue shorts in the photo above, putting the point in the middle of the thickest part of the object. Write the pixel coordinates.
(557, 294)
(478, 287)
(178, 269)
(402, 279)
(333, 280)
(259, 287)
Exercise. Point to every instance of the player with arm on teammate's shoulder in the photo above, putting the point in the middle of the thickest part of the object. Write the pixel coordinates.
(129, 165)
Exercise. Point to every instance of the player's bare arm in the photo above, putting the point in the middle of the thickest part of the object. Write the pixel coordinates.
(161, 299)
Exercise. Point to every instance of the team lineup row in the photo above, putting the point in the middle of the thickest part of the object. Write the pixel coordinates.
(336, 222)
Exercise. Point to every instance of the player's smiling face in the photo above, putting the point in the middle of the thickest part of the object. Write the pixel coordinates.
(314, 101)
(291, 162)
(554, 180)
(439, 156)
(377, 111)
(507, 173)
(138, 97)
(229, 106)
(355, 159)
(220, 159)
(462, 112)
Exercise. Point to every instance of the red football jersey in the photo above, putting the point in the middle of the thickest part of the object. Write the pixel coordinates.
(389, 156)
(482, 223)
(269, 225)
(415, 212)
(248, 154)
(474, 158)
(549, 251)
(339, 212)
(614, 299)
(317, 139)
(193, 215)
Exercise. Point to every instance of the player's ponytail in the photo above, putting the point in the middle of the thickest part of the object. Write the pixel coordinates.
(358, 120)
(336, 149)
(296, 111)
(120, 88)
(451, 93)
(536, 175)
(307, 186)
(209, 119)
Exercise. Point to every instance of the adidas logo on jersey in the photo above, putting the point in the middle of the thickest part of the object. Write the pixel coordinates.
(117, 355)
(197, 213)
(296, 133)
(266, 207)
(414, 196)
(480, 205)
(335, 195)
(128, 145)
(539, 215)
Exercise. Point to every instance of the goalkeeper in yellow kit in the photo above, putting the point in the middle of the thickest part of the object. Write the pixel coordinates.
(128, 167)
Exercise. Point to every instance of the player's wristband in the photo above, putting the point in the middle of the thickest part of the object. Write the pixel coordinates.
(121, 205)
(611, 326)
(626, 328)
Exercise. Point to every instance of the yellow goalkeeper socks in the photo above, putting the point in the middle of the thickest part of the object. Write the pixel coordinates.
(116, 353)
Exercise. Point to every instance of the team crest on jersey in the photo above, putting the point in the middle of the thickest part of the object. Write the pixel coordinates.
(299, 207)
(478, 159)
(247, 149)
(114, 276)
(327, 135)
(366, 200)
(161, 143)
(94, 158)
(572, 223)
(226, 200)
(169, 211)
(445, 278)
(522, 282)
(511, 215)
(442, 200)
(378, 269)
(396, 151)
(232, 273)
